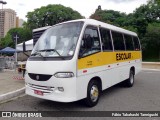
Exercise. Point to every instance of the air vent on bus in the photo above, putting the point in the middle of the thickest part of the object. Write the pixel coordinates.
(39, 77)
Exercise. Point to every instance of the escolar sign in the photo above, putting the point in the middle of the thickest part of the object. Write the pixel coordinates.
(123, 56)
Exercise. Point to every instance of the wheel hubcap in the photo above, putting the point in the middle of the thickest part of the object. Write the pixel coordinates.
(94, 93)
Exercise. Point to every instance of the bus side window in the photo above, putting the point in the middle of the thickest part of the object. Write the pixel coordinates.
(118, 41)
(106, 39)
(129, 42)
(136, 43)
(90, 43)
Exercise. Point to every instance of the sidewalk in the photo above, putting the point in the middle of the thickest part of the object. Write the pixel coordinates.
(10, 87)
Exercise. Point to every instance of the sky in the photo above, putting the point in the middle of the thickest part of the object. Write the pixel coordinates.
(84, 7)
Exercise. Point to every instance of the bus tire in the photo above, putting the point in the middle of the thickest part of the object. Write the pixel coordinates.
(93, 94)
(130, 81)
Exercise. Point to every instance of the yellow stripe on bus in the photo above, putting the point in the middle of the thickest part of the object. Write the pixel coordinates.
(104, 58)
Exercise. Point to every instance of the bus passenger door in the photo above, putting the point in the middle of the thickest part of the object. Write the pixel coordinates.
(90, 50)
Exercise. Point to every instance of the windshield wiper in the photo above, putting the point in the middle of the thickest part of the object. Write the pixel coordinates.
(54, 50)
(37, 53)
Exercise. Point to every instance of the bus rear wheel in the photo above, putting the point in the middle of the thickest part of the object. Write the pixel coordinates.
(130, 81)
(93, 94)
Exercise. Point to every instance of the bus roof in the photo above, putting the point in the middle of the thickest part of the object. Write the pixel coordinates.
(41, 28)
(104, 25)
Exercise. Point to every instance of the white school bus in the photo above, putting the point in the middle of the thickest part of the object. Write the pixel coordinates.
(79, 59)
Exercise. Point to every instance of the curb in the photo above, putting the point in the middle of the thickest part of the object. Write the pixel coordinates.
(151, 63)
(7, 96)
(151, 69)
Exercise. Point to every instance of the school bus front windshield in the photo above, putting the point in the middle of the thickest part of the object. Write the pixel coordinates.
(58, 41)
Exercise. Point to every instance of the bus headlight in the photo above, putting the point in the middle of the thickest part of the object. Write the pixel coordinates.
(64, 74)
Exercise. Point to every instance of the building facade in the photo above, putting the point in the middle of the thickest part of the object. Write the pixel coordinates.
(7, 21)
(21, 21)
(17, 22)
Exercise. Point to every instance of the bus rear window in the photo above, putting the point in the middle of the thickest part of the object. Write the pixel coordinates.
(136, 43)
(129, 42)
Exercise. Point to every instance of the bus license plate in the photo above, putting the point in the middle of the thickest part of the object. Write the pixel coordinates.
(38, 92)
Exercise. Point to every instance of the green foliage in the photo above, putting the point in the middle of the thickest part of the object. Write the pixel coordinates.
(7, 41)
(110, 16)
(145, 21)
(139, 20)
(131, 28)
(151, 41)
(24, 34)
(144, 15)
(50, 15)
(40, 17)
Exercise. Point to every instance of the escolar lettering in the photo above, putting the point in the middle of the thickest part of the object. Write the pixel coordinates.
(123, 56)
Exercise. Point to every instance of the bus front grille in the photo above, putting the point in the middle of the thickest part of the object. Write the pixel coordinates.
(39, 77)
(44, 89)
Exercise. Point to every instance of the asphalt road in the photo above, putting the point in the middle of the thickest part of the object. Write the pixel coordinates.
(143, 96)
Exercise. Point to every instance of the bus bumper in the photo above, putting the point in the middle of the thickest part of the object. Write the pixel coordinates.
(55, 89)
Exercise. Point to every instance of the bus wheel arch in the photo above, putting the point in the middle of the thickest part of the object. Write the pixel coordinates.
(94, 89)
(98, 80)
(132, 69)
(130, 81)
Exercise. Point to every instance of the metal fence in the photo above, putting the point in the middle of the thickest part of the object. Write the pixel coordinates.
(7, 63)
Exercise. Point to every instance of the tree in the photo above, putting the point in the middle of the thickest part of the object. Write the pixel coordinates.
(145, 21)
(151, 41)
(151, 2)
(50, 15)
(149, 12)
(139, 20)
(24, 34)
(109, 16)
(7, 41)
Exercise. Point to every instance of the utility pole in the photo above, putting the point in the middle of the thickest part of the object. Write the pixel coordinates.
(15, 38)
(3, 3)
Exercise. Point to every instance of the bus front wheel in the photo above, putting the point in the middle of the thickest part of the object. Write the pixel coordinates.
(93, 93)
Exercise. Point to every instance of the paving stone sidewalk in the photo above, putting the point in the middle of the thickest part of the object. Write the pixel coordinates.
(7, 83)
